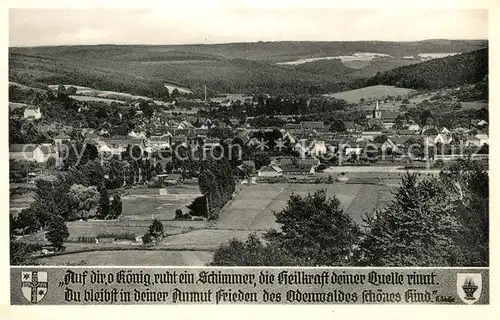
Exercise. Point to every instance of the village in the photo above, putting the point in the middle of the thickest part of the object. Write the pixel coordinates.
(383, 134)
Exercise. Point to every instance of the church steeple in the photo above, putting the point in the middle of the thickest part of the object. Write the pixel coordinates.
(377, 114)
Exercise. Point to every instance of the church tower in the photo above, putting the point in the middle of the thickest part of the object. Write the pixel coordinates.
(377, 114)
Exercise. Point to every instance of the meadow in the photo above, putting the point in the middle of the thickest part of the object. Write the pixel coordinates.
(145, 204)
(132, 258)
(373, 92)
(253, 208)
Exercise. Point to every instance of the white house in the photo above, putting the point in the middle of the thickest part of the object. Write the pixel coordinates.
(270, 171)
(353, 150)
(290, 137)
(210, 145)
(388, 144)
(185, 125)
(301, 147)
(473, 141)
(141, 135)
(104, 148)
(132, 134)
(43, 152)
(32, 113)
(318, 147)
(159, 142)
(443, 138)
(445, 131)
(31, 152)
(483, 138)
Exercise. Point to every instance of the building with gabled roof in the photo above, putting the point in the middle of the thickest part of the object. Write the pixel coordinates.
(270, 171)
(32, 152)
(474, 141)
(298, 166)
(483, 137)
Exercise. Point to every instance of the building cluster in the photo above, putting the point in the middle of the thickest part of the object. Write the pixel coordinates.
(311, 140)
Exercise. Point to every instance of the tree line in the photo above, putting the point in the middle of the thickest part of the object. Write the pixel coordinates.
(216, 183)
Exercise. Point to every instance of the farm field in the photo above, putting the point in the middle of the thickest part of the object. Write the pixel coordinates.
(203, 239)
(373, 92)
(359, 56)
(133, 258)
(430, 56)
(94, 228)
(87, 91)
(138, 228)
(253, 208)
(140, 206)
(171, 87)
(145, 204)
(250, 211)
(369, 199)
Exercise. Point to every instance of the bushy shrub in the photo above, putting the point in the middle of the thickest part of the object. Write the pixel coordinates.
(83, 239)
(117, 236)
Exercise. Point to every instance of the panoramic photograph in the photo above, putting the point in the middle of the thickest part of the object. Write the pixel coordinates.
(283, 137)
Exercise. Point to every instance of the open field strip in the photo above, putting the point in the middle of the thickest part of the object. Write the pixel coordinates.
(132, 258)
(148, 204)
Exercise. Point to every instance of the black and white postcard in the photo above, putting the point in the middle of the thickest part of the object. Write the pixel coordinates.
(250, 154)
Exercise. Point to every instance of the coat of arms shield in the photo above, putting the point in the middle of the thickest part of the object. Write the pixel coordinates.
(469, 287)
(34, 285)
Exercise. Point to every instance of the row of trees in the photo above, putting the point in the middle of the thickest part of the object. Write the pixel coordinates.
(216, 183)
(288, 104)
(435, 222)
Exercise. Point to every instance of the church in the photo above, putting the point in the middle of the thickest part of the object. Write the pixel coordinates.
(384, 118)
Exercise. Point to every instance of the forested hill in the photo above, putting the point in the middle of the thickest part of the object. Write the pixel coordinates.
(453, 71)
(223, 68)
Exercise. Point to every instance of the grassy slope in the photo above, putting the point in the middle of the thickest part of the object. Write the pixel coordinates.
(372, 92)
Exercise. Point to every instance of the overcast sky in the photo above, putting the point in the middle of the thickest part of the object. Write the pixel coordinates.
(34, 27)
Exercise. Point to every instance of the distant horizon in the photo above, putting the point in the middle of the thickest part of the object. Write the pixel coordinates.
(236, 42)
(223, 25)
